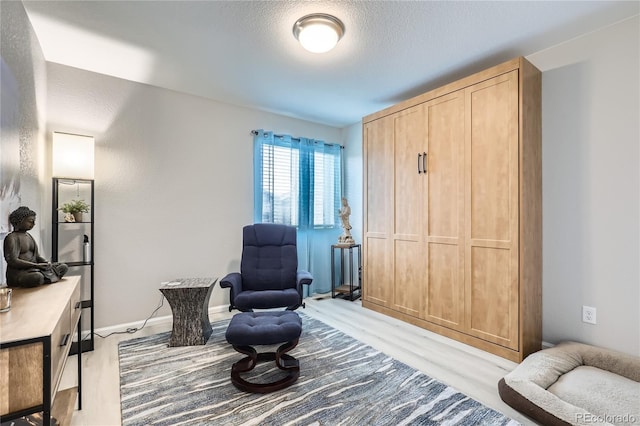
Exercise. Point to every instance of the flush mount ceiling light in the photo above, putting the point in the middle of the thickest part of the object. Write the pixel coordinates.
(318, 32)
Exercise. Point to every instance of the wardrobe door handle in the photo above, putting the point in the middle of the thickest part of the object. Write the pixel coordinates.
(424, 162)
(419, 155)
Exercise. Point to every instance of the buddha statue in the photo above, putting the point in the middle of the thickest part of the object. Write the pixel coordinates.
(25, 266)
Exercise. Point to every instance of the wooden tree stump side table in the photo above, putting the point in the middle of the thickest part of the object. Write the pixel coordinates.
(189, 301)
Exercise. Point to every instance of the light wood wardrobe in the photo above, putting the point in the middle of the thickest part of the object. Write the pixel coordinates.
(453, 210)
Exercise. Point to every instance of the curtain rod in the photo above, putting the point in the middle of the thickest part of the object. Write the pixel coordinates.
(255, 132)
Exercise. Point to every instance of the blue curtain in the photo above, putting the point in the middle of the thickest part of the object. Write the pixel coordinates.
(298, 181)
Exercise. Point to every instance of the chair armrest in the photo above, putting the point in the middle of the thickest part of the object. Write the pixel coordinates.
(304, 278)
(233, 281)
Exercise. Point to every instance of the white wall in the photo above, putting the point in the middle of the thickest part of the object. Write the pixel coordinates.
(22, 132)
(590, 139)
(352, 142)
(591, 188)
(174, 183)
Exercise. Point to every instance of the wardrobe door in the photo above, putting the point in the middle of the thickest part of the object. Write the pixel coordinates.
(491, 258)
(444, 304)
(409, 250)
(378, 211)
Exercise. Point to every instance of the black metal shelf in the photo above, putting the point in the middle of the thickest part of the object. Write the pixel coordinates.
(87, 346)
(77, 263)
(87, 272)
(352, 289)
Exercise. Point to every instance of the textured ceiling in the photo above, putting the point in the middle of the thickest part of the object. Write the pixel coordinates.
(244, 53)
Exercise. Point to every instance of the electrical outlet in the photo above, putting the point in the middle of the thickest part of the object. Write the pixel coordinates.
(589, 314)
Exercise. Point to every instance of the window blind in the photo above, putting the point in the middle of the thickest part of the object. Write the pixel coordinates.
(297, 181)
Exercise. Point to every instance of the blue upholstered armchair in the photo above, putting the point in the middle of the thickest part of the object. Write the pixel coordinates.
(269, 276)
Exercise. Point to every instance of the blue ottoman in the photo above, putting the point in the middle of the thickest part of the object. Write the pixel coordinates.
(248, 329)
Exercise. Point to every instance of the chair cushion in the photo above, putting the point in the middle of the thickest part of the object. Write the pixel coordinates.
(263, 328)
(267, 299)
(269, 257)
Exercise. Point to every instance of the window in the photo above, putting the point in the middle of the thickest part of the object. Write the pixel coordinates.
(296, 181)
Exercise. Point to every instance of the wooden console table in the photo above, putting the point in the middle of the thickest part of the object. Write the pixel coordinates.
(35, 339)
(189, 300)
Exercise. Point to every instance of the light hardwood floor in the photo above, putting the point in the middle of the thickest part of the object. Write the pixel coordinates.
(469, 370)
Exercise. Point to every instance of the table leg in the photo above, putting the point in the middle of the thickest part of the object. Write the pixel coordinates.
(333, 273)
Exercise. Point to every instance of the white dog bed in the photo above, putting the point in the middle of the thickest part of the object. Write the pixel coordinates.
(575, 384)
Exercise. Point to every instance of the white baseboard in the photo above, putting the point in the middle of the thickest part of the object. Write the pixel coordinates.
(156, 321)
(547, 345)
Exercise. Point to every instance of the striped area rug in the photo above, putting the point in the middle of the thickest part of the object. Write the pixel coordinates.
(342, 382)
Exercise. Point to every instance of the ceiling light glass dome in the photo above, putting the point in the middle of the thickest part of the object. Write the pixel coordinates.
(318, 32)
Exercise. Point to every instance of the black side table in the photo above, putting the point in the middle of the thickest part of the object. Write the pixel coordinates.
(189, 300)
(353, 289)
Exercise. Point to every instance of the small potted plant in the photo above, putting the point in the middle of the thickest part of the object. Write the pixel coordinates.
(73, 210)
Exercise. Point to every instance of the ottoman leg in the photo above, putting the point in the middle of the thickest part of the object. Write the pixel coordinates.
(283, 361)
(247, 363)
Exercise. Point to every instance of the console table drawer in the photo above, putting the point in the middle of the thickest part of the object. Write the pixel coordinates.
(60, 338)
(19, 391)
